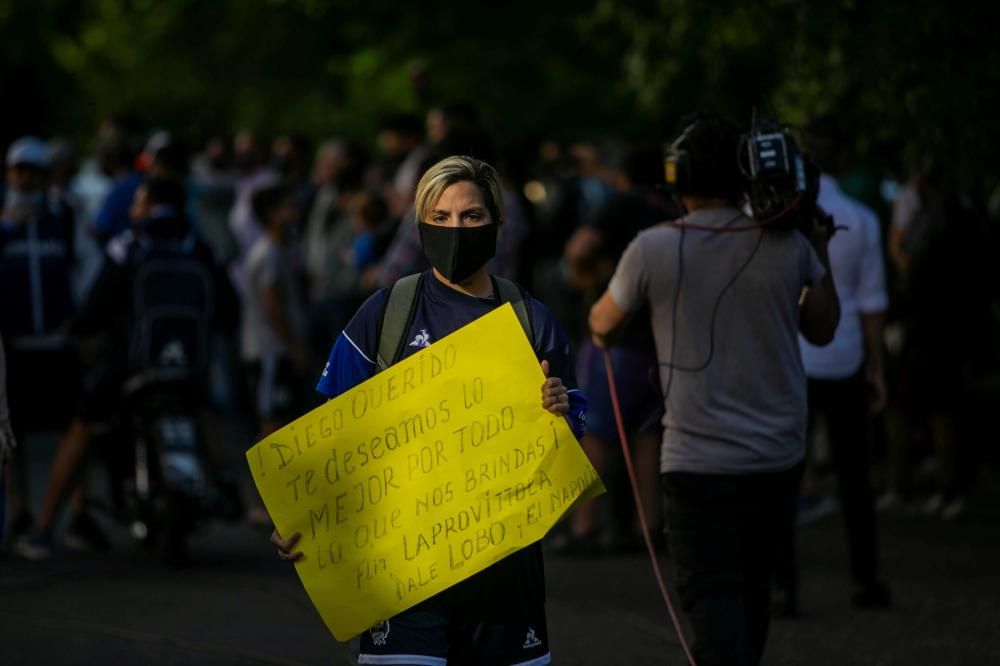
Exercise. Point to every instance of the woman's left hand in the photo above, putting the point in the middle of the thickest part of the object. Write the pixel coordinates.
(555, 397)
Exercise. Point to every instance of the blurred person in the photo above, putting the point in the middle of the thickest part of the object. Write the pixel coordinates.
(555, 192)
(214, 183)
(208, 198)
(91, 186)
(331, 281)
(400, 141)
(160, 229)
(339, 175)
(63, 167)
(404, 256)
(334, 157)
(37, 256)
(591, 255)
(156, 141)
(948, 333)
(116, 155)
(272, 343)
(905, 207)
(459, 208)
(170, 160)
(558, 203)
(290, 159)
(846, 378)
(727, 299)
(595, 178)
(253, 173)
(211, 193)
(367, 211)
(273, 350)
(63, 185)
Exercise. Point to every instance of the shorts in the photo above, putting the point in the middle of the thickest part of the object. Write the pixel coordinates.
(273, 388)
(637, 380)
(495, 618)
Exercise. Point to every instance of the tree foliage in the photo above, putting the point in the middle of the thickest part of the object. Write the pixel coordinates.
(906, 77)
(910, 79)
(310, 66)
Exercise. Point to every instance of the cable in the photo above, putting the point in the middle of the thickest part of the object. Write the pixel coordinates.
(715, 311)
(683, 226)
(638, 504)
(673, 318)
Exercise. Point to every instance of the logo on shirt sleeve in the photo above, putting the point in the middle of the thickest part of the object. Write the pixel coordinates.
(422, 340)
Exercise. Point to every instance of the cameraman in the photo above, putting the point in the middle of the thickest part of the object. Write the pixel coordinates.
(728, 297)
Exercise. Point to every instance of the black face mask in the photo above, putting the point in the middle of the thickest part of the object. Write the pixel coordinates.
(458, 252)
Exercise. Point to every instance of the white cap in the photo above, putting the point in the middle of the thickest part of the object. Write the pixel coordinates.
(30, 151)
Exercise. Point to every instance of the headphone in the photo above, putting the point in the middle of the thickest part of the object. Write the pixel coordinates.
(677, 168)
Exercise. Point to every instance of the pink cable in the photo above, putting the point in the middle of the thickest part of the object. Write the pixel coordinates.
(638, 505)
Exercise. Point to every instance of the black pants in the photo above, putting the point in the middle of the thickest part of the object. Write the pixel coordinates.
(724, 534)
(844, 404)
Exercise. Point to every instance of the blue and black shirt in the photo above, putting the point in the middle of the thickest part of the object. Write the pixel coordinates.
(440, 311)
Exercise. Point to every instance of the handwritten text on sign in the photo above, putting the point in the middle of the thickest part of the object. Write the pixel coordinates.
(423, 475)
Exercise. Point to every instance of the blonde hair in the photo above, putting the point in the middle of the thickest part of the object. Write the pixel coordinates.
(458, 169)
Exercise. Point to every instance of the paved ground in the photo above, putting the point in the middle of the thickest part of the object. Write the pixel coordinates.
(238, 605)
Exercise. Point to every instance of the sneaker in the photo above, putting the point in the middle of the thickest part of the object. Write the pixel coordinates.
(872, 596)
(35, 546)
(84, 534)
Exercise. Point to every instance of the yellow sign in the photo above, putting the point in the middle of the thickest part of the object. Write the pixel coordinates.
(423, 475)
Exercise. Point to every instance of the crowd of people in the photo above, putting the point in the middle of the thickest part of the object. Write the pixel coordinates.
(295, 237)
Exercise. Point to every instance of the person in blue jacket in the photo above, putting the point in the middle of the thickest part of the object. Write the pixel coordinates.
(497, 617)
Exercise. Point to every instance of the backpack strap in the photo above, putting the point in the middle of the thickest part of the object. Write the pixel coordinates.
(510, 292)
(400, 309)
(397, 317)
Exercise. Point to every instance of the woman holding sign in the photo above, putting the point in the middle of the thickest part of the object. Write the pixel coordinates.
(496, 617)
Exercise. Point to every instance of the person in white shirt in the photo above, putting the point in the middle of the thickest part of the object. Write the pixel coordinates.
(846, 378)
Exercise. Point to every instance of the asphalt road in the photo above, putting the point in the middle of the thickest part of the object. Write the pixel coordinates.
(237, 604)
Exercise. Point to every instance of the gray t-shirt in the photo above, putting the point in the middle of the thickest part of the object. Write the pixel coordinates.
(267, 265)
(737, 391)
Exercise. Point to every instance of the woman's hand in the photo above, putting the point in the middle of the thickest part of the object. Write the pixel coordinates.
(555, 397)
(285, 546)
